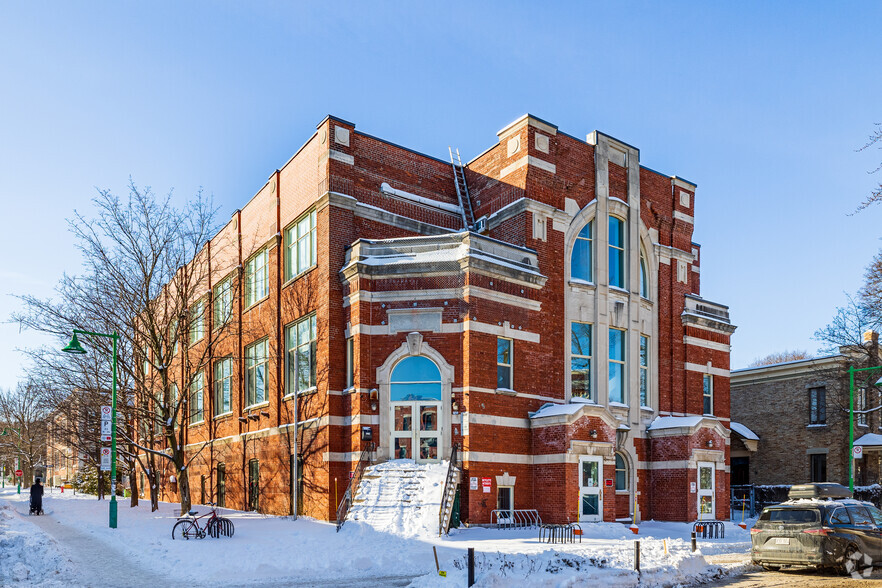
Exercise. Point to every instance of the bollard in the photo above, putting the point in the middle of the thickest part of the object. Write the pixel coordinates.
(471, 566)
(637, 557)
(694, 545)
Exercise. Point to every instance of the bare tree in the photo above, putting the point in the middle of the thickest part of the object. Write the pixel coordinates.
(876, 194)
(146, 277)
(781, 357)
(23, 428)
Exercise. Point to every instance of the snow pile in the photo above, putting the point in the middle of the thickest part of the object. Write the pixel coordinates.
(400, 497)
(27, 556)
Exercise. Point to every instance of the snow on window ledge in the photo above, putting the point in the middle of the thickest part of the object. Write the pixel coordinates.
(815, 425)
(619, 404)
(506, 391)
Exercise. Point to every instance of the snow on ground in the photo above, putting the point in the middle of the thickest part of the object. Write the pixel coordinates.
(279, 551)
(28, 558)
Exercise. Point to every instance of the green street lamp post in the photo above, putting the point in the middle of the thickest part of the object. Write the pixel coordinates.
(851, 372)
(75, 347)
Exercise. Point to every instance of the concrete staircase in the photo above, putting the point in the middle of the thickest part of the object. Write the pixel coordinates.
(400, 497)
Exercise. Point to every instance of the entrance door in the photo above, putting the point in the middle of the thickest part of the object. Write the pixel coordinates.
(590, 489)
(415, 405)
(706, 486)
(416, 430)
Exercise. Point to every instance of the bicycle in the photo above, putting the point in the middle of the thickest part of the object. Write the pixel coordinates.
(189, 528)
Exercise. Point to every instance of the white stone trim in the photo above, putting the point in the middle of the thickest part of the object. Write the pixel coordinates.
(483, 456)
(341, 157)
(707, 369)
(478, 389)
(688, 340)
(498, 421)
(684, 217)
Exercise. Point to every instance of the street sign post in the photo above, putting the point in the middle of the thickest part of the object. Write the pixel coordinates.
(105, 459)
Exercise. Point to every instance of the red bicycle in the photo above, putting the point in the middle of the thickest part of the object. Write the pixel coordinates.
(189, 528)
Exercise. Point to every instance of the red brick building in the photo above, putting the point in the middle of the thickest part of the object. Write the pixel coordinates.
(548, 321)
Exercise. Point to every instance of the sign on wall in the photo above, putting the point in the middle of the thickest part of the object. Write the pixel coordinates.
(485, 482)
(692, 488)
(473, 483)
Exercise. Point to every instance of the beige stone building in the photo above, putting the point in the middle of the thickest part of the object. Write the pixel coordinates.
(800, 412)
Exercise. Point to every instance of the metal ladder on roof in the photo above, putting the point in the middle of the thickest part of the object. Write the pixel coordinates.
(462, 190)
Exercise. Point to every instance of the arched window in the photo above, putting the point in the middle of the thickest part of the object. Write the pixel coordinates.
(580, 264)
(415, 378)
(621, 472)
(644, 276)
(616, 252)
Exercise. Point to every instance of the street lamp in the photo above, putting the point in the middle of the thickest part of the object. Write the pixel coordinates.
(77, 349)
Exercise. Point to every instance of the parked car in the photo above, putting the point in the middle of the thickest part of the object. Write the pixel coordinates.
(820, 526)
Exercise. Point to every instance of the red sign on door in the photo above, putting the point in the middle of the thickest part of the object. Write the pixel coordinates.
(485, 483)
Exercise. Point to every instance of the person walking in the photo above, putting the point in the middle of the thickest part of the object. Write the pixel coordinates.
(37, 497)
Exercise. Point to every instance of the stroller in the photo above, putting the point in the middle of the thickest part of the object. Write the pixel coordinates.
(36, 507)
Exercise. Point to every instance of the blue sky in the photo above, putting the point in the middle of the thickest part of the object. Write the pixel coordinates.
(761, 105)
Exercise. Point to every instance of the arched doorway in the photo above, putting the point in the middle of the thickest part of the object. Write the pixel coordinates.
(415, 394)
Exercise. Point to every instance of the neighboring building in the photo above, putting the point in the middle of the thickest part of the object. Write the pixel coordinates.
(63, 461)
(800, 412)
(548, 322)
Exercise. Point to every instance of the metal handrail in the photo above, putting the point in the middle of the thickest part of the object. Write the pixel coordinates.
(363, 461)
(446, 500)
(516, 519)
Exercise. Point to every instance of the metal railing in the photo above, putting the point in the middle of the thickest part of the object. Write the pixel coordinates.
(449, 495)
(515, 519)
(363, 461)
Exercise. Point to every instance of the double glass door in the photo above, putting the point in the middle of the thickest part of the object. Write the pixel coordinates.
(416, 429)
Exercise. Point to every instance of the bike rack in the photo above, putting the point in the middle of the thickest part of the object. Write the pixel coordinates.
(709, 529)
(560, 533)
(515, 519)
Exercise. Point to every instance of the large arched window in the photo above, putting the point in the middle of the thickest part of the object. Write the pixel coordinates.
(580, 264)
(616, 252)
(621, 472)
(415, 378)
(644, 276)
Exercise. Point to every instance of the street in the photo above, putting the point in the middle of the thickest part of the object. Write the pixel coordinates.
(758, 578)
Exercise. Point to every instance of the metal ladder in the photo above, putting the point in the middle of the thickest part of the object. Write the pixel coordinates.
(451, 483)
(462, 190)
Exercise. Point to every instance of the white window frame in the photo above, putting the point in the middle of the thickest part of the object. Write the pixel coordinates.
(197, 321)
(197, 398)
(819, 395)
(300, 238)
(223, 302)
(257, 278)
(623, 249)
(645, 363)
(509, 366)
(254, 361)
(589, 271)
(625, 469)
(623, 362)
(219, 380)
(294, 345)
(350, 362)
(589, 357)
(707, 393)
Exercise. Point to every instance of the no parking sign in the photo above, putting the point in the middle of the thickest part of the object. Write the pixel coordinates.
(857, 452)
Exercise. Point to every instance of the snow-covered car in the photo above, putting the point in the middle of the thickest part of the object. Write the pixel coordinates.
(820, 526)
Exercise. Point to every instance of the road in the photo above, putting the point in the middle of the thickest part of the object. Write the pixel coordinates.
(757, 578)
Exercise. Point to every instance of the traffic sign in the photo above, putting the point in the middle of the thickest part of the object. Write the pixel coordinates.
(106, 412)
(105, 427)
(19, 473)
(858, 451)
(105, 459)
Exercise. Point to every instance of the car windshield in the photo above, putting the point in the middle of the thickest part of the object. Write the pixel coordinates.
(790, 515)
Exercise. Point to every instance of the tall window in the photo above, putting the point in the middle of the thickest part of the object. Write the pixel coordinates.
(617, 366)
(817, 406)
(301, 341)
(223, 382)
(300, 245)
(580, 360)
(350, 362)
(223, 302)
(818, 465)
(503, 363)
(708, 393)
(860, 406)
(580, 264)
(644, 370)
(616, 252)
(621, 473)
(256, 278)
(255, 372)
(197, 322)
(644, 276)
(197, 391)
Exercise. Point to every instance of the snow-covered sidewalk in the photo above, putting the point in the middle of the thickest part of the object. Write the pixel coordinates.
(269, 550)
